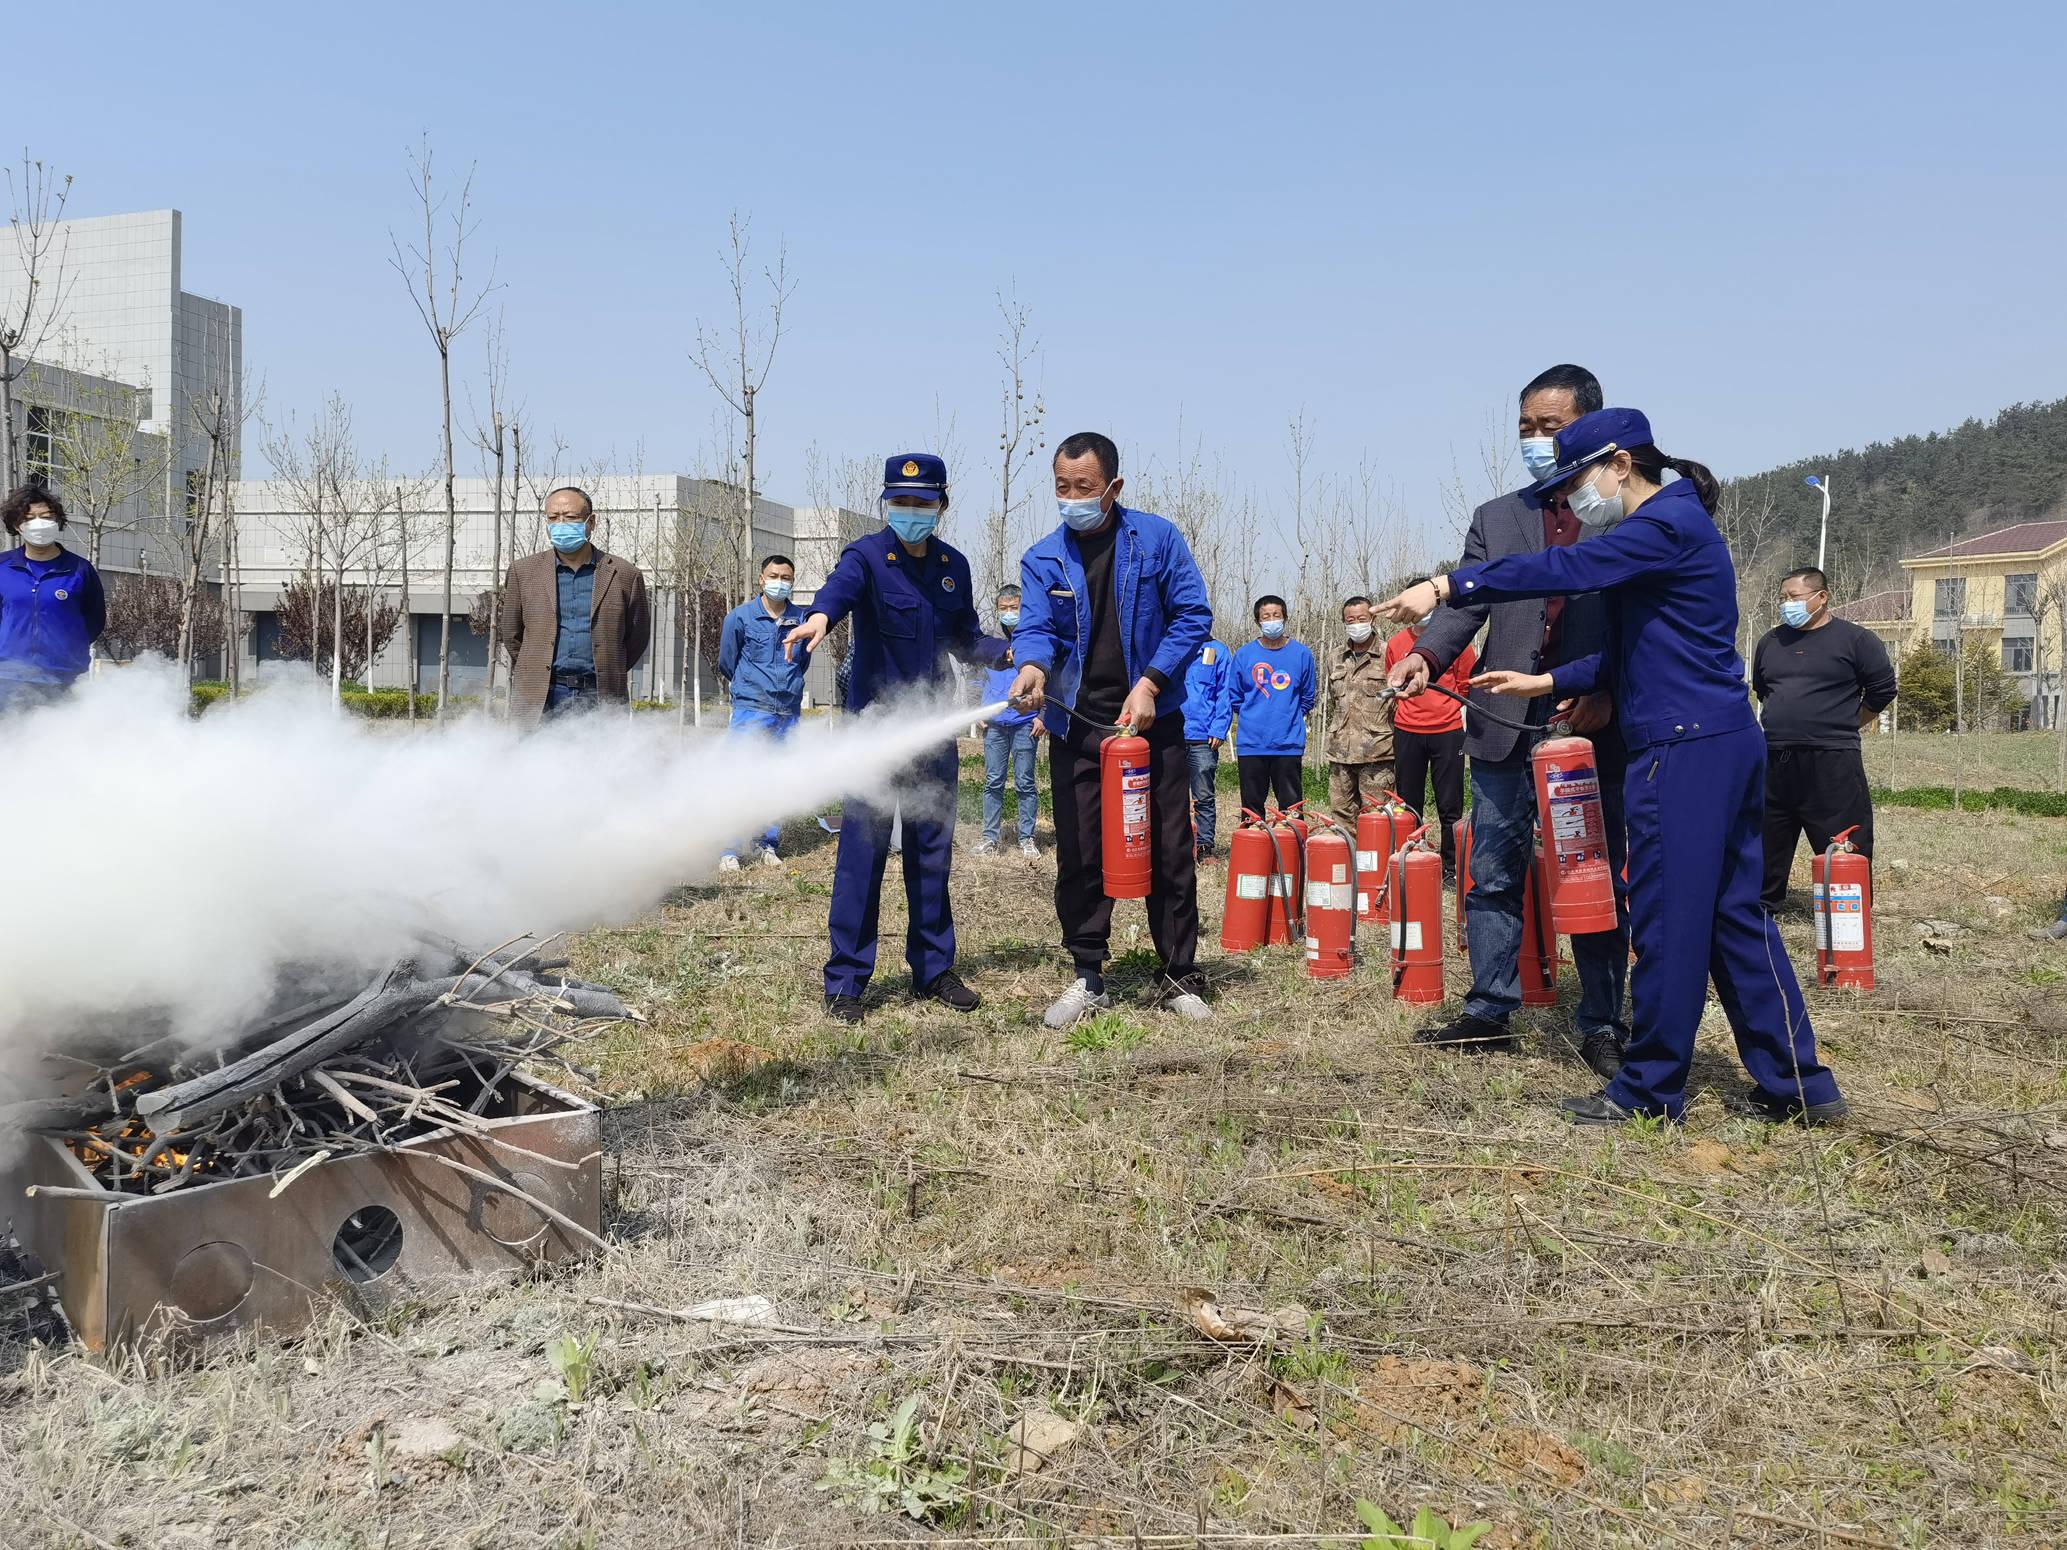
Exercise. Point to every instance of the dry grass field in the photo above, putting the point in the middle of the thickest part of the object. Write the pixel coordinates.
(994, 1255)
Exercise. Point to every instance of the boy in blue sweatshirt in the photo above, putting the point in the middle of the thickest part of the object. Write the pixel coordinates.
(1274, 691)
(1208, 708)
(1008, 745)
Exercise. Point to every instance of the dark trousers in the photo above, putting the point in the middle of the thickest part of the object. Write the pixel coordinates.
(1694, 813)
(1264, 775)
(1822, 790)
(1418, 755)
(927, 804)
(1173, 898)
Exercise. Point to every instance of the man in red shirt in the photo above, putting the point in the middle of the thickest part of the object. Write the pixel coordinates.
(1428, 739)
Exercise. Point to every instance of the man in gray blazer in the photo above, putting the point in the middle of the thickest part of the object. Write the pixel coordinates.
(1529, 637)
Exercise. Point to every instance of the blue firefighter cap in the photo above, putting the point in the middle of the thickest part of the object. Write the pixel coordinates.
(915, 473)
(1592, 437)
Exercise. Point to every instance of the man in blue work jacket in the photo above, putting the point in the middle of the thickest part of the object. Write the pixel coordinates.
(910, 597)
(767, 680)
(1208, 713)
(1112, 611)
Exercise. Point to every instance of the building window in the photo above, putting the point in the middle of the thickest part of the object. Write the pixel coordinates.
(1950, 601)
(2019, 595)
(2017, 653)
(40, 450)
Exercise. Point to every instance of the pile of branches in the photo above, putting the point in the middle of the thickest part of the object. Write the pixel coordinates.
(432, 1043)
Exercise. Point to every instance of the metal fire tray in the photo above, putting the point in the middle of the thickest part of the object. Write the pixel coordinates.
(368, 1229)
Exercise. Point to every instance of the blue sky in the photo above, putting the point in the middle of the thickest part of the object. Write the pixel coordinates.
(1776, 228)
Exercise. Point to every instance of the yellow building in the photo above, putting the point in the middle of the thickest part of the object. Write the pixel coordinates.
(2009, 588)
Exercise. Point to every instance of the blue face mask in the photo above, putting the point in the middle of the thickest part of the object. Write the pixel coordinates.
(913, 524)
(1795, 614)
(1009, 618)
(776, 590)
(567, 537)
(1082, 516)
(1539, 455)
(1272, 628)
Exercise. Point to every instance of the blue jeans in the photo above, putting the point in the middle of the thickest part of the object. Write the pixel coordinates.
(1503, 839)
(1008, 749)
(1205, 786)
(772, 723)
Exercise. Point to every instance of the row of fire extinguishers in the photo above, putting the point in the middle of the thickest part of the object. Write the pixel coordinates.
(1294, 879)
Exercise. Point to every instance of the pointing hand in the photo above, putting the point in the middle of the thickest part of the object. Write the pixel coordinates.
(808, 634)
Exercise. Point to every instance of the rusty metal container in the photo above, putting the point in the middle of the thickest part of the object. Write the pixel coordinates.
(368, 1229)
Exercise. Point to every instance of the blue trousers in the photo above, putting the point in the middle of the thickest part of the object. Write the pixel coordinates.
(1205, 794)
(1009, 750)
(1696, 861)
(927, 802)
(769, 723)
(1503, 835)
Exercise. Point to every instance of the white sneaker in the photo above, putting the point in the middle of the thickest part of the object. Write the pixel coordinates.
(1188, 1006)
(769, 857)
(1029, 848)
(986, 847)
(1074, 1005)
(728, 863)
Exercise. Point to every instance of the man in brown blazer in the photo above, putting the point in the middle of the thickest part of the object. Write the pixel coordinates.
(576, 618)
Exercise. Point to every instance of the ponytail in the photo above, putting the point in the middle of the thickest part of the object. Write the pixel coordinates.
(1651, 463)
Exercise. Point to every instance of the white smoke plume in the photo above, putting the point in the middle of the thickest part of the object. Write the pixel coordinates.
(160, 864)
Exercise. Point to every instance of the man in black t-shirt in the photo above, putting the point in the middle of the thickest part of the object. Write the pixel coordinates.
(1819, 679)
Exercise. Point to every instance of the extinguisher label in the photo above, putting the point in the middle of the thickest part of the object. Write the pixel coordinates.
(1281, 887)
(1133, 779)
(1407, 935)
(1841, 922)
(1328, 896)
(1367, 860)
(1250, 885)
(1576, 822)
(1134, 814)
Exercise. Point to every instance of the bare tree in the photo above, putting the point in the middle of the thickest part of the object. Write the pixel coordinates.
(1020, 432)
(738, 366)
(218, 410)
(35, 212)
(1749, 518)
(324, 487)
(107, 468)
(435, 279)
(491, 437)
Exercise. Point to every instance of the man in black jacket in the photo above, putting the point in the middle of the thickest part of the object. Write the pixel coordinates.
(1819, 679)
(1529, 637)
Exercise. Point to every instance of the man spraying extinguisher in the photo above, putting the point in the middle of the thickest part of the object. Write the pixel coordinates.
(1112, 611)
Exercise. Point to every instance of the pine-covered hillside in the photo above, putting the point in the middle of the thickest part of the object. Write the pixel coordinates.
(1917, 491)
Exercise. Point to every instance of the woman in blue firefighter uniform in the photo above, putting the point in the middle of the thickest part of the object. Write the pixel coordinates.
(909, 594)
(1696, 784)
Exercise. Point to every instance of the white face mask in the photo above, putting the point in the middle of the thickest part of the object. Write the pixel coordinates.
(1592, 508)
(39, 531)
(1359, 633)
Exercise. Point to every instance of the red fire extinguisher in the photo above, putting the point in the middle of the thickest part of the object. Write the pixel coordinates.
(1244, 922)
(1287, 916)
(1332, 872)
(1123, 799)
(1575, 839)
(1843, 881)
(1416, 886)
(1539, 959)
(1380, 831)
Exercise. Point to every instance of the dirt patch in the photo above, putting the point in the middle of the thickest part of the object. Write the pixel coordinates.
(1402, 1395)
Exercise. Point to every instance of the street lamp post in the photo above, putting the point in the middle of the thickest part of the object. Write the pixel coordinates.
(1821, 482)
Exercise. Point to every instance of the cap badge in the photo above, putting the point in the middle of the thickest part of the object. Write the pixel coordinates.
(62, 594)
(947, 583)
(911, 470)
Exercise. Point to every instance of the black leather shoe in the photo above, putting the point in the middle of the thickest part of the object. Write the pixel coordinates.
(1596, 1109)
(1603, 1054)
(950, 992)
(1791, 1109)
(1473, 1035)
(843, 1009)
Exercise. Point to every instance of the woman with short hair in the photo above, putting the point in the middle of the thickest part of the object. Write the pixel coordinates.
(52, 608)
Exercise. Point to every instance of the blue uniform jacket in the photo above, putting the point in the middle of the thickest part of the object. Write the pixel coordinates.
(750, 658)
(1164, 615)
(1671, 658)
(910, 615)
(1209, 692)
(1274, 691)
(50, 615)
